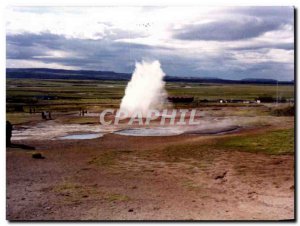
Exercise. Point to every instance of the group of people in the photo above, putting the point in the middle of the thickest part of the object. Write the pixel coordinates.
(82, 112)
(31, 110)
(46, 115)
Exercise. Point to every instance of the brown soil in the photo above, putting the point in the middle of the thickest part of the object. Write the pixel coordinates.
(130, 178)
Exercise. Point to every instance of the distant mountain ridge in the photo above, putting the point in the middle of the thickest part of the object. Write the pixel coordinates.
(46, 73)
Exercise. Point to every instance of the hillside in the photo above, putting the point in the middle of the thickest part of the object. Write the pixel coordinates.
(46, 73)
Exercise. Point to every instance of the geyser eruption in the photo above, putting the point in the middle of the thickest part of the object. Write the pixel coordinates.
(146, 89)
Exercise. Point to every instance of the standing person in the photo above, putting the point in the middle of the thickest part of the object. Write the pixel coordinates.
(9, 129)
(43, 115)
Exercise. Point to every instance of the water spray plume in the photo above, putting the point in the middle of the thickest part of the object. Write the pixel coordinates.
(146, 89)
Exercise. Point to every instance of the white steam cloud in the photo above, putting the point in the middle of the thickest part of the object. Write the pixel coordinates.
(146, 89)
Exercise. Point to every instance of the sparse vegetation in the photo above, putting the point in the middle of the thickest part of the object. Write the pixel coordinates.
(75, 193)
(81, 120)
(273, 142)
(117, 197)
(286, 111)
(19, 118)
(107, 158)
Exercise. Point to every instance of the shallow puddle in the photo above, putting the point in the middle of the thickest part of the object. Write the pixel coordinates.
(173, 131)
(81, 136)
(156, 131)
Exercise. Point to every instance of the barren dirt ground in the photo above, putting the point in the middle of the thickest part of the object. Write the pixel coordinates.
(132, 178)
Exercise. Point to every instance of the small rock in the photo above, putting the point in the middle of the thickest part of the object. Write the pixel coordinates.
(130, 210)
(37, 156)
(85, 196)
(292, 187)
(277, 162)
(221, 176)
(134, 187)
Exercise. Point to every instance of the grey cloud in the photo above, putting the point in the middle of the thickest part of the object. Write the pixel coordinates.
(275, 12)
(86, 53)
(271, 70)
(285, 46)
(228, 30)
(121, 57)
(243, 23)
(111, 33)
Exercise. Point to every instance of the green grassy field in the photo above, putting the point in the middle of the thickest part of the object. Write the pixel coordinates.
(72, 94)
(274, 143)
(232, 91)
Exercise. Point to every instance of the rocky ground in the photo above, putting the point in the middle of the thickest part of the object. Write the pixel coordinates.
(118, 177)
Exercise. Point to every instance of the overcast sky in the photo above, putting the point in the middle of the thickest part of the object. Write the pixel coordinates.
(231, 43)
